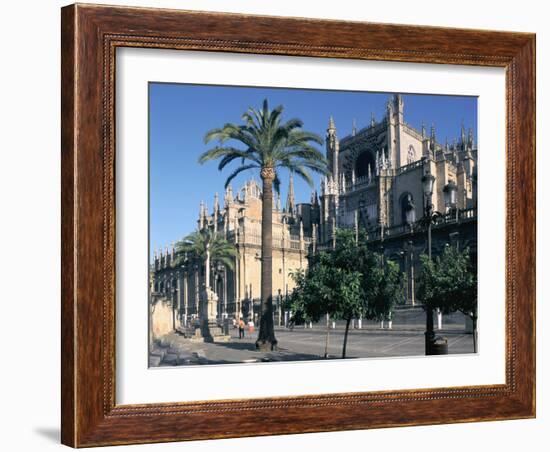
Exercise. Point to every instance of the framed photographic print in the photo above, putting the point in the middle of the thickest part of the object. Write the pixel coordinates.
(312, 223)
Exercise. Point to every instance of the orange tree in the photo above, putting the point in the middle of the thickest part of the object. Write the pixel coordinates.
(449, 283)
(346, 283)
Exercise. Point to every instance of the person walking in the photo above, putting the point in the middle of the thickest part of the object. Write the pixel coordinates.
(241, 329)
(251, 326)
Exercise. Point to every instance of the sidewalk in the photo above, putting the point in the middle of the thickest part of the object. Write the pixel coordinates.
(174, 350)
(301, 344)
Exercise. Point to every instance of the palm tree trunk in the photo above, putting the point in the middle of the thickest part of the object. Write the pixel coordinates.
(348, 321)
(266, 336)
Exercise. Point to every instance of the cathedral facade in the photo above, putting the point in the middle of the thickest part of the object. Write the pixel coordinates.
(375, 183)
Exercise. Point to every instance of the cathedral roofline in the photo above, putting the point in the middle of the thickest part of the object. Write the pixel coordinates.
(363, 131)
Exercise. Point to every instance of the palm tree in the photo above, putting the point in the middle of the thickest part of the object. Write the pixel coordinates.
(269, 144)
(209, 247)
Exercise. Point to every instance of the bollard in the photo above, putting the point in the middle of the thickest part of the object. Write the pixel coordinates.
(440, 346)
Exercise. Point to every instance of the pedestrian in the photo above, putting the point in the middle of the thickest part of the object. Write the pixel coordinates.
(250, 326)
(291, 323)
(241, 329)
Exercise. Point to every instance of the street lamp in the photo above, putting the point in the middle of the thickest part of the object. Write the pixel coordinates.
(427, 185)
(429, 218)
(450, 191)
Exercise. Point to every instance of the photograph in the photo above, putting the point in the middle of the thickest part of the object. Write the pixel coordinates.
(294, 224)
(255, 226)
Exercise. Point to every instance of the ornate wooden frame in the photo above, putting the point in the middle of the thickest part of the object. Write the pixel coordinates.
(90, 35)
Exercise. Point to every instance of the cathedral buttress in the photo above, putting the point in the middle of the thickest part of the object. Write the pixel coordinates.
(333, 150)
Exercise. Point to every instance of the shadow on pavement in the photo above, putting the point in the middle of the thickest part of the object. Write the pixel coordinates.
(237, 345)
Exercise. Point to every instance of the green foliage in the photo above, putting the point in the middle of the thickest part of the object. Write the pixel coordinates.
(347, 282)
(195, 246)
(388, 293)
(449, 282)
(268, 143)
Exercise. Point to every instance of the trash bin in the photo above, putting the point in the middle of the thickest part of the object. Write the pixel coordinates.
(226, 326)
(440, 346)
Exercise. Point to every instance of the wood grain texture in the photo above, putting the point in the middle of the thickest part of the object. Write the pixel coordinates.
(90, 36)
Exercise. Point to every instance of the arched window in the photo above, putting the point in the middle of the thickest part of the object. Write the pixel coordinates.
(362, 164)
(408, 213)
(411, 154)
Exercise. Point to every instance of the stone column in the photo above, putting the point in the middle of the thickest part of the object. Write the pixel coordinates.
(185, 298)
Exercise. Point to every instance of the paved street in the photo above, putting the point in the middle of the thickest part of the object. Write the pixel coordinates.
(306, 344)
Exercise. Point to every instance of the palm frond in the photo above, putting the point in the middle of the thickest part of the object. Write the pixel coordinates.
(298, 136)
(277, 184)
(268, 142)
(232, 132)
(243, 155)
(239, 170)
(304, 174)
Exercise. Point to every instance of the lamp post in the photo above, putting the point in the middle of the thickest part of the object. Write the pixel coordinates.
(429, 217)
(279, 306)
(450, 190)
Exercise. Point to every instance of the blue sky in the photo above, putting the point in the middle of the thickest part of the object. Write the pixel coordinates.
(181, 114)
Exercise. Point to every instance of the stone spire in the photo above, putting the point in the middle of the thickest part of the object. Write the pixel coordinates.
(332, 149)
(201, 215)
(423, 130)
(462, 136)
(399, 103)
(290, 204)
(372, 119)
(278, 203)
(432, 139)
(354, 127)
(228, 198)
(216, 211)
(470, 139)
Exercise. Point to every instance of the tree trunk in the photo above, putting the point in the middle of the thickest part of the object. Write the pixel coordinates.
(348, 321)
(266, 336)
(327, 337)
(474, 331)
(429, 334)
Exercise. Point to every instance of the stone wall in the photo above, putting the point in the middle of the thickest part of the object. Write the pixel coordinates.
(161, 318)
